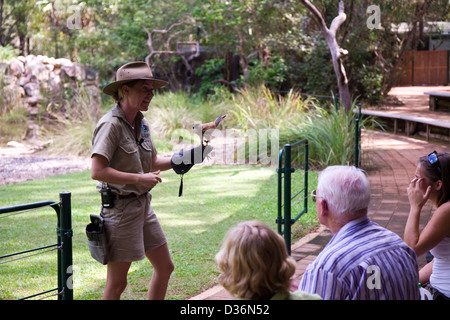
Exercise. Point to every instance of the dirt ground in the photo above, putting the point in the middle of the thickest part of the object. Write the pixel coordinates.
(20, 163)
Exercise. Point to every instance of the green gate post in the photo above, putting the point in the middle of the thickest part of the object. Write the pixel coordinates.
(65, 233)
(287, 196)
(306, 193)
(279, 220)
(357, 133)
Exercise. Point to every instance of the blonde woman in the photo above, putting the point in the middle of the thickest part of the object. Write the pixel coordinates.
(255, 264)
(126, 164)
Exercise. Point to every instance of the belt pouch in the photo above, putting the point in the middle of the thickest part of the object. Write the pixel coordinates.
(95, 232)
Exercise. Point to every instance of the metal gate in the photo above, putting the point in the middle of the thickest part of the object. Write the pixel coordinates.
(64, 243)
(285, 193)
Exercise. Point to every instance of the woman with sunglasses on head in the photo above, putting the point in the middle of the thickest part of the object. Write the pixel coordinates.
(432, 182)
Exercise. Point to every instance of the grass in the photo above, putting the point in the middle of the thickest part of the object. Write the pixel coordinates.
(215, 198)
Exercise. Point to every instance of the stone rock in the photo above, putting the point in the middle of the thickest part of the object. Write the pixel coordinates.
(16, 68)
(32, 102)
(24, 80)
(62, 62)
(31, 89)
(34, 81)
(15, 144)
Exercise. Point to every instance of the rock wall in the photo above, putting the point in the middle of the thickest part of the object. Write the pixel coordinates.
(43, 84)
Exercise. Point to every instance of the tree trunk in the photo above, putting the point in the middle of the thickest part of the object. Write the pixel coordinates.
(337, 53)
(339, 70)
(1, 23)
(55, 31)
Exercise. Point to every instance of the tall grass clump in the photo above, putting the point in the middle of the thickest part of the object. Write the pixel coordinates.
(330, 130)
(257, 109)
(331, 136)
(260, 108)
(170, 111)
(172, 114)
(174, 110)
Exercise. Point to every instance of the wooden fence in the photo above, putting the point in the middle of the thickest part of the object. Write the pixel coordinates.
(424, 68)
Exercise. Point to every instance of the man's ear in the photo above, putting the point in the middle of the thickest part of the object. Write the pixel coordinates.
(323, 207)
(324, 204)
(322, 211)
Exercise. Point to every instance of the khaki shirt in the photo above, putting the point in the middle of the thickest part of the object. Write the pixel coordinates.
(126, 149)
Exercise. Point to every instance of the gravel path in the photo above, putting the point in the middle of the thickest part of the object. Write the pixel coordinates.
(17, 165)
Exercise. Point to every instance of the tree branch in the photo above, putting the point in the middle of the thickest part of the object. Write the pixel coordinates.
(149, 39)
(167, 45)
(339, 19)
(251, 55)
(336, 52)
(316, 14)
(162, 31)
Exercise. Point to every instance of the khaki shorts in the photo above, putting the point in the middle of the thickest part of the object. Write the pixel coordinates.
(132, 229)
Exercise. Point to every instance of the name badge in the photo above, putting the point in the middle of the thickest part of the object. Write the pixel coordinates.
(145, 131)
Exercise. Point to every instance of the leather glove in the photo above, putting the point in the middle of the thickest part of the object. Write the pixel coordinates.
(183, 161)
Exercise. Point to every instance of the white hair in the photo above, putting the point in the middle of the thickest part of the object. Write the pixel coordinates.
(345, 188)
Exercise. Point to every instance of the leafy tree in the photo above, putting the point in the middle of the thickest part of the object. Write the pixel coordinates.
(275, 42)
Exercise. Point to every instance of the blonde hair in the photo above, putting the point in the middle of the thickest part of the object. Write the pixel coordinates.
(119, 94)
(254, 262)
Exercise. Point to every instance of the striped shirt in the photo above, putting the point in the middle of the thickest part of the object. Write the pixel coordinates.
(363, 261)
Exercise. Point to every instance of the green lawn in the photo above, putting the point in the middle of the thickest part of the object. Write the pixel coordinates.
(215, 198)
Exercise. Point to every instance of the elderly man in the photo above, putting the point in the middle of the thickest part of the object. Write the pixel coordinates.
(362, 260)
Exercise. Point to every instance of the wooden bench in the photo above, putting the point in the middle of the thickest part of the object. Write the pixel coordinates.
(409, 121)
(435, 97)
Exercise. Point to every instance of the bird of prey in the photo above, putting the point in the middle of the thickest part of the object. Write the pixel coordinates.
(204, 130)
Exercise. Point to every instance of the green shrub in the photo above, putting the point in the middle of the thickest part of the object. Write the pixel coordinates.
(273, 74)
(211, 70)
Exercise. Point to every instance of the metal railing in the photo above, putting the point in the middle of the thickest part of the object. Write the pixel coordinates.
(357, 136)
(64, 243)
(285, 193)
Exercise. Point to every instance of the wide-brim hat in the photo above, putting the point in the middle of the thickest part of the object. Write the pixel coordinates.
(133, 71)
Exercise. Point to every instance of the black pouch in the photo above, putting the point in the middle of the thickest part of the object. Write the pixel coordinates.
(107, 198)
(95, 232)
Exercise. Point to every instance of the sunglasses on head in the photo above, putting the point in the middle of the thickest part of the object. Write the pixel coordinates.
(434, 161)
